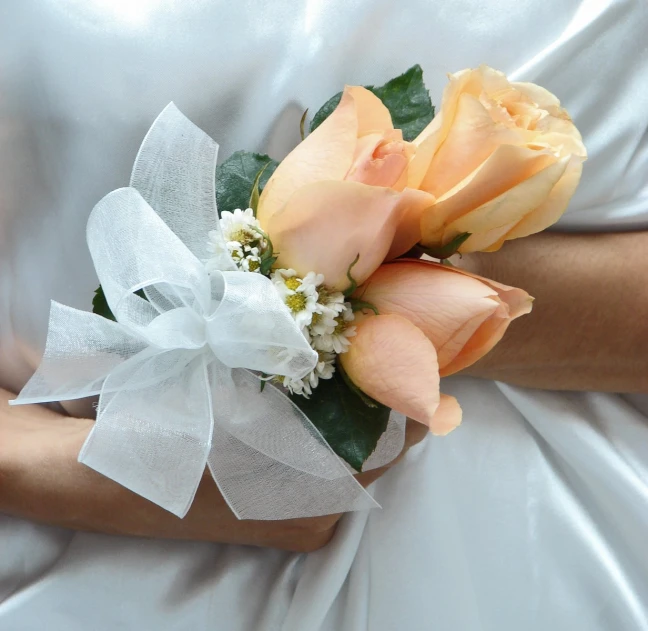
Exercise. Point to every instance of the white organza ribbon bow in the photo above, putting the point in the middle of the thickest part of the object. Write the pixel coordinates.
(176, 394)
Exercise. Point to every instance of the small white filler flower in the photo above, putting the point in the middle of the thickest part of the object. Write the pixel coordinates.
(244, 240)
(299, 294)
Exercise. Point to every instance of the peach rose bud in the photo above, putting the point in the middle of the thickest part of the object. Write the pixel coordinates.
(463, 315)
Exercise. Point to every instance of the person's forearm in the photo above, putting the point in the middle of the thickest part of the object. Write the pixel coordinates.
(41, 480)
(588, 329)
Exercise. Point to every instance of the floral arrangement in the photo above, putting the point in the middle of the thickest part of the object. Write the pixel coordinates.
(291, 327)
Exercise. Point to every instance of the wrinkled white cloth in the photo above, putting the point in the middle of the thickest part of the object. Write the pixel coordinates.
(530, 516)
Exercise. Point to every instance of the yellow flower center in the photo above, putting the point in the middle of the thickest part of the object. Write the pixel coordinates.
(242, 236)
(253, 266)
(296, 302)
(340, 327)
(316, 318)
(293, 283)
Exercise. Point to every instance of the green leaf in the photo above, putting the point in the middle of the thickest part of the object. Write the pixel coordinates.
(100, 305)
(406, 98)
(366, 399)
(408, 102)
(325, 111)
(235, 179)
(350, 426)
(445, 251)
(256, 193)
(302, 123)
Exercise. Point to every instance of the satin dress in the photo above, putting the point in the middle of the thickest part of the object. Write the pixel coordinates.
(531, 516)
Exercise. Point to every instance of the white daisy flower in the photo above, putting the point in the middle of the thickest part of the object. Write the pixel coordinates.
(334, 301)
(235, 248)
(323, 370)
(220, 254)
(250, 264)
(240, 225)
(323, 322)
(299, 295)
(285, 281)
(251, 251)
(313, 280)
(338, 340)
(245, 243)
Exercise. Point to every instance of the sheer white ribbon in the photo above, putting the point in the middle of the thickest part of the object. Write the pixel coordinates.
(176, 394)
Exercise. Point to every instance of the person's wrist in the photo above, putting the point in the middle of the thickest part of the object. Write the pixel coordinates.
(38, 449)
(477, 263)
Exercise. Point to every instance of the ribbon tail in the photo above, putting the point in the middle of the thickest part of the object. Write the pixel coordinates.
(268, 459)
(154, 440)
(81, 350)
(390, 444)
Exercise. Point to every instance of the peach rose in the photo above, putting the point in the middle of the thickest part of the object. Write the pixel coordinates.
(502, 159)
(434, 321)
(343, 192)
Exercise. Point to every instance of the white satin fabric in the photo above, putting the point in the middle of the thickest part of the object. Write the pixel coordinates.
(533, 515)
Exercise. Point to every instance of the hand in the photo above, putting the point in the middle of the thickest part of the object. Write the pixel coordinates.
(41, 480)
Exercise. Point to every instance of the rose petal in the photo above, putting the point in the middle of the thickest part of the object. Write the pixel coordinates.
(447, 417)
(326, 225)
(411, 207)
(554, 207)
(512, 206)
(540, 96)
(387, 171)
(473, 137)
(429, 140)
(519, 302)
(371, 113)
(326, 154)
(506, 168)
(392, 361)
(427, 144)
(514, 303)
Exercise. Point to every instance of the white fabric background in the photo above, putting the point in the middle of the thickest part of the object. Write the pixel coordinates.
(531, 516)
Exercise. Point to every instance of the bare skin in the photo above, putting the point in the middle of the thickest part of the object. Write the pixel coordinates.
(587, 330)
(41, 480)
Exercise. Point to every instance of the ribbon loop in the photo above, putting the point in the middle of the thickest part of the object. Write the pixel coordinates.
(175, 173)
(132, 248)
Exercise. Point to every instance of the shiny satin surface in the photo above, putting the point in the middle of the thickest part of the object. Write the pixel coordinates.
(532, 515)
